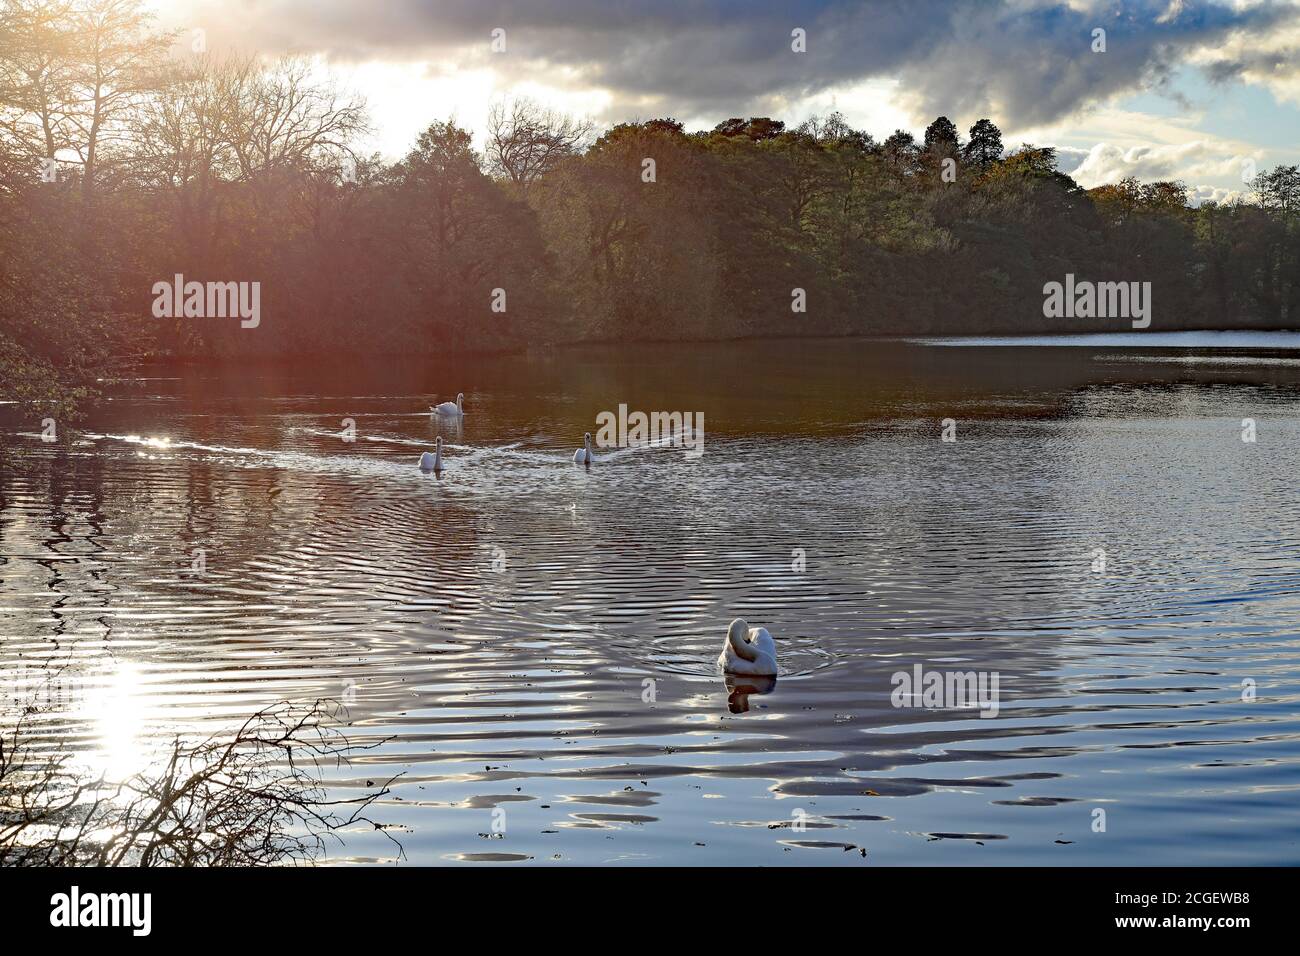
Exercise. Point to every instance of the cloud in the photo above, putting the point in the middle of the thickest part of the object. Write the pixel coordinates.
(1203, 194)
(1270, 59)
(1070, 158)
(1197, 160)
(1021, 62)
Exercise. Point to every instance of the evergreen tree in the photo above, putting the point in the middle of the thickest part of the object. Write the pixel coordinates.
(941, 135)
(985, 145)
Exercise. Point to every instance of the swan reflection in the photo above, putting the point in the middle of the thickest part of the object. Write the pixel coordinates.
(740, 686)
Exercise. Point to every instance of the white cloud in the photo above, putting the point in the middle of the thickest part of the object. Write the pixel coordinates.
(1202, 194)
(1069, 158)
(1197, 160)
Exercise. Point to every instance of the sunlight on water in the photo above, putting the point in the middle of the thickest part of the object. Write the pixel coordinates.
(116, 713)
(532, 645)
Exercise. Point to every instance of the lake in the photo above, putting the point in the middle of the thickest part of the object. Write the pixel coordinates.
(532, 645)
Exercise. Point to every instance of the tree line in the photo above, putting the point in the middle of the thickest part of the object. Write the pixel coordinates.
(124, 163)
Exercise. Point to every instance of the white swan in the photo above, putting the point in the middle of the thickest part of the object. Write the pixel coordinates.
(432, 461)
(456, 408)
(748, 650)
(584, 455)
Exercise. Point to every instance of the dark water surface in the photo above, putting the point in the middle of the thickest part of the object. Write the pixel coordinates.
(534, 638)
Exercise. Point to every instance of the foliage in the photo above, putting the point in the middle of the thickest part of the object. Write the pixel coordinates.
(229, 168)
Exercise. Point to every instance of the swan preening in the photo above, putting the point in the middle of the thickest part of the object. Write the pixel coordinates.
(748, 650)
(432, 461)
(456, 408)
(584, 455)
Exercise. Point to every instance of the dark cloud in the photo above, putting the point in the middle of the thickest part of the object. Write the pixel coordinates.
(1022, 62)
(1272, 63)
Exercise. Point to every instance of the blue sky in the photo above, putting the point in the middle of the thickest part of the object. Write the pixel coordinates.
(1233, 119)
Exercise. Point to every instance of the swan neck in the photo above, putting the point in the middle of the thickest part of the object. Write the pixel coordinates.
(740, 645)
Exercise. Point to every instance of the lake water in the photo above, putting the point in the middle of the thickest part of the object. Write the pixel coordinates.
(531, 638)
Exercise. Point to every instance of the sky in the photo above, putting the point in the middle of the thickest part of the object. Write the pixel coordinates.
(1206, 91)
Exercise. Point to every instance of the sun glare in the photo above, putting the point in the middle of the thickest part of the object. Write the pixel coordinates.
(117, 712)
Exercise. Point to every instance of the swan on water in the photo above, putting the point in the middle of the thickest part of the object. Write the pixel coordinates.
(748, 650)
(456, 408)
(432, 461)
(584, 455)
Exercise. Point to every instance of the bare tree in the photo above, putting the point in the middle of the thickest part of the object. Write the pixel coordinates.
(185, 141)
(251, 798)
(229, 120)
(526, 141)
(287, 120)
(184, 131)
(116, 60)
(35, 76)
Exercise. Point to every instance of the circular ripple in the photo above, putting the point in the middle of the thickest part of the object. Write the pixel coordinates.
(796, 657)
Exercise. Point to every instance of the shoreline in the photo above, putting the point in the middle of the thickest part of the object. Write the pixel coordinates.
(1156, 339)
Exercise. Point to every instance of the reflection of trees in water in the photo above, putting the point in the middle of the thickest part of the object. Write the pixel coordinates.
(250, 798)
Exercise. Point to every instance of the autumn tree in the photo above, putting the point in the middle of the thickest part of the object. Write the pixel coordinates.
(1278, 190)
(900, 151)
(458, 237)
